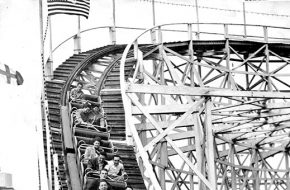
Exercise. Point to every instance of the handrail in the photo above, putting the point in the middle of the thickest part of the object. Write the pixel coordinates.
(196, 32)
(89, 29)
(136, 28)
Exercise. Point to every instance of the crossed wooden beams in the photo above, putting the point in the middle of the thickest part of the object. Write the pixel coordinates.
(206, 119)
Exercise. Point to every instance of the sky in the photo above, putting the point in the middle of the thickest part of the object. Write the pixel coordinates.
(20, 49)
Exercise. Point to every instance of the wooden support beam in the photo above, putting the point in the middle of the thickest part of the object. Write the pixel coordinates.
(189, 121)
(164, 109)
(171, 143)
(210, 144)
(199, 91)
(178, 136)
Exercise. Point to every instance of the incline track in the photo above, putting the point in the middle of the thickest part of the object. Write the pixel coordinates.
(56, 92)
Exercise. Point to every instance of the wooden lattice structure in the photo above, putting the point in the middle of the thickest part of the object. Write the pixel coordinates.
(210, 114)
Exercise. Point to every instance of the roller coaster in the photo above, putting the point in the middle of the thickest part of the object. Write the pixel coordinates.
(185, 108)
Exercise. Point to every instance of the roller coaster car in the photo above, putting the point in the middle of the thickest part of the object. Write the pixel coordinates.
(102, 126)
(92, 182)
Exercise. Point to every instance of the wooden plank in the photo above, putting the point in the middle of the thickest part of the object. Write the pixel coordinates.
(189, 121)
(178, 136)
(199, 91)
(184, 149)
(164, 109)
(250, 168)
(73, 171)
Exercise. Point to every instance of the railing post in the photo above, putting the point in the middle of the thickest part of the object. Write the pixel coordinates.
(153, 36)
(135, 50)
(77, 44)
(265, 29)
(244, 15)
(160, 40)
(112, 31)
(226, 31)
(49, 63)
(197, 20)
(190, 39)
(77, 38)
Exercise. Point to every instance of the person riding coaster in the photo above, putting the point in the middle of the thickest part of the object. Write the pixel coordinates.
(90, 115)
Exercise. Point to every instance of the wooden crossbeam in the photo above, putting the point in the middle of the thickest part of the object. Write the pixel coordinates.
(200, 91)
(164, 109)
(189, 121)
(178, 136)
(250, 168)
(184, 149)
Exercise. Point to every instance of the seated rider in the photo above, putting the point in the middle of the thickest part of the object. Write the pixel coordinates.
(77, 93)
(93, 151)
(89, 115)
(96, 164)
(93, 183)
(116, 169)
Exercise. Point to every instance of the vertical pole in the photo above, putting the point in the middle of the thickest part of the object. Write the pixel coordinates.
(49, 64)
(190, 49)
(197, 19)
(43, 98)
(77, 38)
(114, 13)
(227, 49)
(113, 29)
(153, 32)
(265, 29)
(153, 12)
(244, 15)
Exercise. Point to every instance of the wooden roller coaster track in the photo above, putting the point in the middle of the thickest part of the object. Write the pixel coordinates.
(206, 114)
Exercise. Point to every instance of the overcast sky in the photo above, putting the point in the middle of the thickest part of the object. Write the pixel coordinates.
(20, 49)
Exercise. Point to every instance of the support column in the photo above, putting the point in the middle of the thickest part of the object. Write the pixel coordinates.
(256, 180)
(163, 147)
(286, 153)
(233, 172)
(210, 144)
(199, 150)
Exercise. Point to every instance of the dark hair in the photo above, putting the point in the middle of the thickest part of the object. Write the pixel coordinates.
(116, 155)
(97, 138)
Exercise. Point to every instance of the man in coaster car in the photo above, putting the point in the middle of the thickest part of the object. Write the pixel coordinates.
(116, 169)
